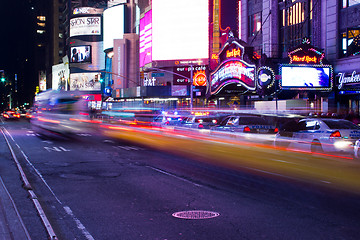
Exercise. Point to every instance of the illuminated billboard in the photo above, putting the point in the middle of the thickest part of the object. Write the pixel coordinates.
(84, 82)
(145, 51)
(180, 29)
(114, 25)
(184, 75)
(85, 26)
(80, 54)
(318, 77)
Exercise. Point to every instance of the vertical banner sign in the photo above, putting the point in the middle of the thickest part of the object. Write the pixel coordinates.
(42, 80)
(145, 54)
(119, 63)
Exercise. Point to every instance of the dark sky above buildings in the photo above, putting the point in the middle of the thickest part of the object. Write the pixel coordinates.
(17, 43)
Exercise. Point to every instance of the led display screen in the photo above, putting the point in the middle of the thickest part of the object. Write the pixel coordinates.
(145, 39)
(305, 77)
(180, 29)
(80, 54)
(114, 24)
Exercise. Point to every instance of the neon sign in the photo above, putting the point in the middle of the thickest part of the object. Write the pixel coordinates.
(306, 59)
(199, 78)
(233, 53)
(214, 56)
(233, 72)
(350, 80)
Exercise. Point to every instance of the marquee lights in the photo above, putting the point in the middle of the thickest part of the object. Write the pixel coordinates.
(306, 59)
(233, 72)
(266, 77)
(329, 88)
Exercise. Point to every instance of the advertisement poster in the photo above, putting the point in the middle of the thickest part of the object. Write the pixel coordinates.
(183, 75)
(85, 26)
(60, 74)
(178, 90)
(42, 80)
(84, 82)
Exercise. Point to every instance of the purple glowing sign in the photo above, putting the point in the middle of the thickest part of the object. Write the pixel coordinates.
(233, 72)
(146, 39)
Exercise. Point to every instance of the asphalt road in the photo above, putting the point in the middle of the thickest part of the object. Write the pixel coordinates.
(93, 187)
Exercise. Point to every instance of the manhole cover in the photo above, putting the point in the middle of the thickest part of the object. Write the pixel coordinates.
(195, 214)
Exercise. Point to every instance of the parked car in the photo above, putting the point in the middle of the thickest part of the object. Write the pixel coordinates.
(245, 124)
(11, 115)
(328, 135)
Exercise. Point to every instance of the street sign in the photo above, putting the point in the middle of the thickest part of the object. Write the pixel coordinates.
(156, 74)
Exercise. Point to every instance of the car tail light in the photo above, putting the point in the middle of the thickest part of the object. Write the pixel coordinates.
(6, 116)
(335, 134)
(214, 121)
(276, 130)
(201, 126)
(247, 129)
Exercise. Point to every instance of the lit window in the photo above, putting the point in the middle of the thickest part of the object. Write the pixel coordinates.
(41, 18)
(254, 23)
(350, 44)
(40, 31)
(41, 24)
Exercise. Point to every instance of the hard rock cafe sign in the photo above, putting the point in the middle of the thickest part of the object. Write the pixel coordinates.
(232, 69)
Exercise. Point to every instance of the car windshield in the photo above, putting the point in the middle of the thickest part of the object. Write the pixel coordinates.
(340, 124)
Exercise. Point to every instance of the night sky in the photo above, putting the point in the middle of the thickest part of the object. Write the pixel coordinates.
(17, 46)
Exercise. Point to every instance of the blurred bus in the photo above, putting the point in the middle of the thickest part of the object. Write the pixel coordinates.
(62, 112)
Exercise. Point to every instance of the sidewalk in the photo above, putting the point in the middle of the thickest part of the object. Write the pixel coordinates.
(11, 224)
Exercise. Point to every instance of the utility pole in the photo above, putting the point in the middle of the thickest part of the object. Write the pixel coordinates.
(191, 88)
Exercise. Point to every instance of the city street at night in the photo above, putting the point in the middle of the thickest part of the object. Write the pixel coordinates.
(180, 120)
(95, 187)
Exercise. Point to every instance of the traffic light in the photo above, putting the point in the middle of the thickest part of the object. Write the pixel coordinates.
(2, 77)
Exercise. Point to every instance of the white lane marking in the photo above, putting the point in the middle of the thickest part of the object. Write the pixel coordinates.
(57, 149)
(27, 185)
(41, 177)
(172, 175)
(84, 134)
(128, 148)
(327, 182)
(67, 209)
(16, 210)
(80, 226)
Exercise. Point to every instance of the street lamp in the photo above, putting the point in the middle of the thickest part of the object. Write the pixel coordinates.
(2, 76)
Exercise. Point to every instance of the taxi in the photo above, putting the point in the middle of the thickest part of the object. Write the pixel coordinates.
(324, 135)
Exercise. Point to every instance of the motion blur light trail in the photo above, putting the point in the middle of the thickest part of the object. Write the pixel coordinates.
(319, 169)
